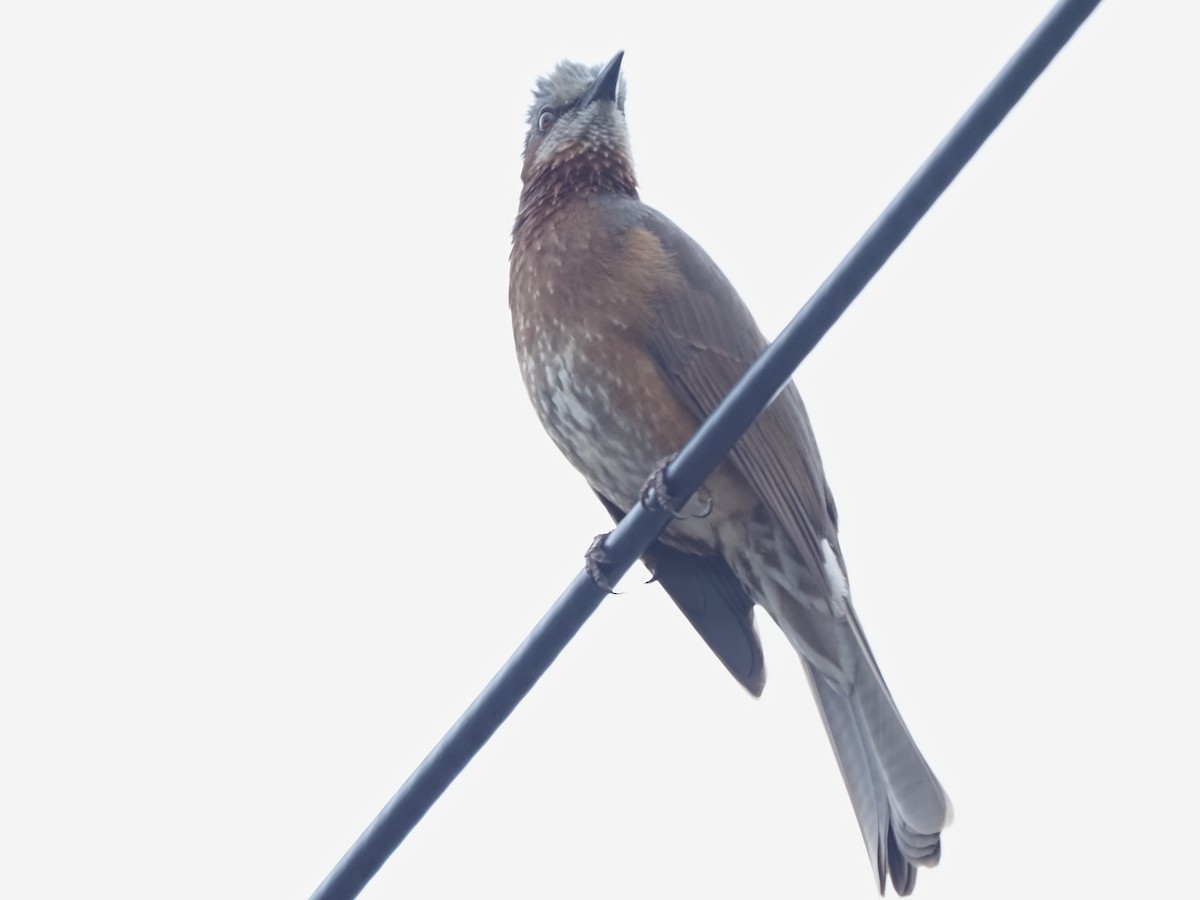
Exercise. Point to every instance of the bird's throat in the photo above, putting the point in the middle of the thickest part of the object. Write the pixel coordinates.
(570, 177)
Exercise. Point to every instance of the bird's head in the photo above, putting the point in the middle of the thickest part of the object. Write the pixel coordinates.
(577, 134)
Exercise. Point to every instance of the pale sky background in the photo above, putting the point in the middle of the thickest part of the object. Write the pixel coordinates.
(274, 506)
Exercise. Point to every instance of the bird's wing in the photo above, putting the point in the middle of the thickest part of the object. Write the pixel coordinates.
(704, 340)
(714, 601)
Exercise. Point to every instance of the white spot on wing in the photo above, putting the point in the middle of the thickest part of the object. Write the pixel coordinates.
(839, 589)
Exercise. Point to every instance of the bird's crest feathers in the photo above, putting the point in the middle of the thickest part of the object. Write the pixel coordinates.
(562, 87)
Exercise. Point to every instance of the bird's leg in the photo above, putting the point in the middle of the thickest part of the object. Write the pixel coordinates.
(662, 499)
(596, 561)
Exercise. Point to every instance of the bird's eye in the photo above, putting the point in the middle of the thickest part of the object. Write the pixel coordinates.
(545, 120)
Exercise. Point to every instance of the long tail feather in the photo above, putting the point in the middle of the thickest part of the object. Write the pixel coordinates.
(900, 805)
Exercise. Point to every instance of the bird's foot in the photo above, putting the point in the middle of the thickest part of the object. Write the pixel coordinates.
(596, 562)
(656, 495)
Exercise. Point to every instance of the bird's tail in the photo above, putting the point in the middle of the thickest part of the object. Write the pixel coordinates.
(900, 805)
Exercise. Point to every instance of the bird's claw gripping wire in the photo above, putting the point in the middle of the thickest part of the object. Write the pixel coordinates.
(596, 561)
(655, 494)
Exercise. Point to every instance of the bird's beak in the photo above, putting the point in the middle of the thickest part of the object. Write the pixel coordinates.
(606, 83)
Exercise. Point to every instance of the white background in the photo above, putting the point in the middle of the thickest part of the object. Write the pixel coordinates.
(274, 506)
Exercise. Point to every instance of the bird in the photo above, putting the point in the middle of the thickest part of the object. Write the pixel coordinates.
(628, 335)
